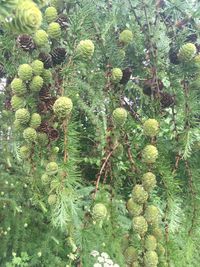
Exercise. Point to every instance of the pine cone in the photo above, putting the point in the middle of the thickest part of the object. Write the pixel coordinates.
(166, 100)
(197, 47)
(2, 71)
(46, 59)
(126, 75)
(150, 86)
(63, 21)
(26, 42)
(173, 56)
(42, 108)
(50, 102)
(58, 55)
(191, 38)
(160, 4)
(147, 90)
(47, 100)
(44, 94)
(53, 134)
(44, 127)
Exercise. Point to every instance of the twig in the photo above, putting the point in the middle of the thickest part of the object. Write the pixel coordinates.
(133, 113)
(178, 157)
(65, 140)
(135, 15)
(153, 52)
(130, 156)
(102, 169)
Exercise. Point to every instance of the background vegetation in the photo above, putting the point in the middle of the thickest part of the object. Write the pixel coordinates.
(48, 216)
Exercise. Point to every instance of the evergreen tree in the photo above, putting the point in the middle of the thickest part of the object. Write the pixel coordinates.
(100, 141)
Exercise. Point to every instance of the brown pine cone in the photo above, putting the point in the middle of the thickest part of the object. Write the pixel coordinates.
(50, 102)
(63, 21)
(53, 134)
(44, 127)
(166, 100)
(58, 55)
(126, 75)
(44, 94)
(42, 108)
(150, 86)
(26, 42)
(173, 56)
(192, 38)
(160, 3)
(46, 59)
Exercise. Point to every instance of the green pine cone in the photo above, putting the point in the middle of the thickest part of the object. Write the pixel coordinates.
(157, 232)
(160, 250)
(150, 154)
(7, 6)
(47, 76)
(25, 72)
(45, 178)
(130, 255)
(52, 199)
(54, 30)
(163, 263)
(55, 150)
(149, 181)
(38, 67)
(41, 38)
(58, 4)
(41, 3)
(27, 19)
(197, 60)
(152, 215)
(134, 208)
(52, 168)
(22, 115)
(18, 87)
(139, 195)
(150, 243)
(151, 127)
(99, 212)
(18, 127)
(135, 264)
(116, 75)
(140, 225)
(35, 120)
(122, 54)
(85, 49)
(42, 139)
(187, 52)
(119, 116)
(30, 135)
(151, 259)
(36, 84)
(62, 107)
(25, 152)
(126, 37)
(50, 14)
(17, 102)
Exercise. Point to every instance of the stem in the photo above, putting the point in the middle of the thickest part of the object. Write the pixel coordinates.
(130, 156)
(65, 140)
(153, 52)
(102, 169)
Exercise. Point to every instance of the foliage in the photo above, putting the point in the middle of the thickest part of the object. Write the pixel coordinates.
(108, 56)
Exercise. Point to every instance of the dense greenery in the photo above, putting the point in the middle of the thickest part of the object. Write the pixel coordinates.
(99, 133)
